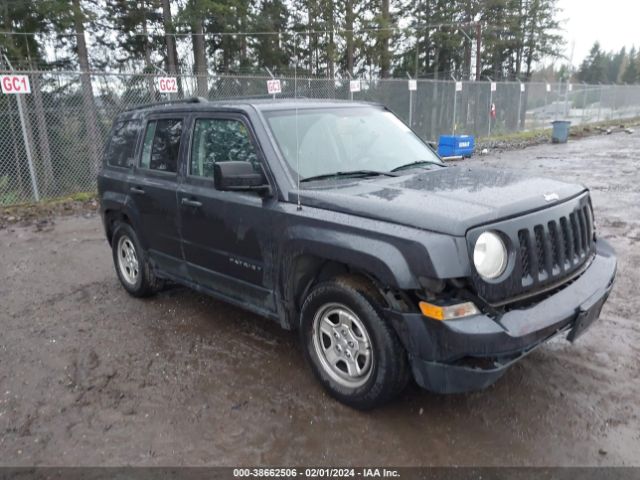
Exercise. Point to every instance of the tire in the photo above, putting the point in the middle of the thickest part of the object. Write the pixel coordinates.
(132, 266)
(352, 350)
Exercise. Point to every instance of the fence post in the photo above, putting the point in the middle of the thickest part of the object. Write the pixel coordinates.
(490, 105)
(27, 149)
(584, 101)
(455, 100)
(519, 105)
(600, 103)
(411, 108)
(410, 103)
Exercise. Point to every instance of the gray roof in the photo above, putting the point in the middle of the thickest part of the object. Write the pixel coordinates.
(201, 104)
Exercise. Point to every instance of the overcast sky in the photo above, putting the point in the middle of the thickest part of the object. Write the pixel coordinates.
(614, 23)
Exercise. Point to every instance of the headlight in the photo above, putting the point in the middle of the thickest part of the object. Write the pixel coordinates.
(490, 255)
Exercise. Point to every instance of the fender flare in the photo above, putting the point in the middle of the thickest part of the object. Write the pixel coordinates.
(375, 257)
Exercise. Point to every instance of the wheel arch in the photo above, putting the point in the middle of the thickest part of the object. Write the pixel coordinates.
(111, 218)
(307, 267)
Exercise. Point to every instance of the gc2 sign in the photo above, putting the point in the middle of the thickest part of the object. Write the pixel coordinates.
(15, 84)
(167, 85)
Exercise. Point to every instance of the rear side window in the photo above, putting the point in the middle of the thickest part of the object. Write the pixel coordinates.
(162, 145)
(122, 147)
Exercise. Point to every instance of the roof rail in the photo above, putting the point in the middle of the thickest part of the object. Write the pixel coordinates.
(168, 102)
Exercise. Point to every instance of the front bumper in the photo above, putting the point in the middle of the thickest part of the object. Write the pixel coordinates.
(471, 353)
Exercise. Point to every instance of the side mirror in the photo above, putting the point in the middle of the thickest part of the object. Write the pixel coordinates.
(239, 176)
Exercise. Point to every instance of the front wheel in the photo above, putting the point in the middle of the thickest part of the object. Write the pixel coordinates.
(352, 350)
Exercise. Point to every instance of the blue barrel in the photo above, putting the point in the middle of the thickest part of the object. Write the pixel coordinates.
(560, 132)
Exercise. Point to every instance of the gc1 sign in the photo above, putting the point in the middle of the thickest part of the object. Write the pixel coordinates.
(273, 86)
(167, 85)
(354, 86)
(15, 84)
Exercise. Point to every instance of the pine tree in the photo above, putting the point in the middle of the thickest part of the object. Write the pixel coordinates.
(593, 68)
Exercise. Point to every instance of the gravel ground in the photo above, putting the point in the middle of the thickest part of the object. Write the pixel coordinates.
(91, 376)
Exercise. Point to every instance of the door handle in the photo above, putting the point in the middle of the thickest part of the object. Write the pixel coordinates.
(137, 190)
(191, 203)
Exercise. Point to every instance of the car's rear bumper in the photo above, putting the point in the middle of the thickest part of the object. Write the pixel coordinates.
(472, 353)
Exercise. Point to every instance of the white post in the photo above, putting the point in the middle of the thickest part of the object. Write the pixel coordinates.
(455, 100)
(490, 104)
(567, 109)
(410, 104)
(411, 108)
(27, 149)
(350, 91)
(25, 139)
(600, 103)
(584, 100)
(519, 105)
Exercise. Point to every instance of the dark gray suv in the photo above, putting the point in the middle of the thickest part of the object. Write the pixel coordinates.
(334, 219)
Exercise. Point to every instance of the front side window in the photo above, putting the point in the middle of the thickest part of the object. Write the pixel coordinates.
(162, 145)
(328, 140)
(122, 147)
(220, 140)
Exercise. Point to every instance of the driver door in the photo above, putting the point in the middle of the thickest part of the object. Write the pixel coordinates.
(226, 235)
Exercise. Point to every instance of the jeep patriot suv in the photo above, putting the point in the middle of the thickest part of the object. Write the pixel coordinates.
(334, 219)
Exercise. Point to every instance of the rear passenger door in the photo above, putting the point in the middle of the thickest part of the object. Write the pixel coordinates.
(227, 235)
(153, 191)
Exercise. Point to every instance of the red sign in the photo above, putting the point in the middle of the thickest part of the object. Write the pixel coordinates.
(15, 84)
(492, 110)
(167, 85)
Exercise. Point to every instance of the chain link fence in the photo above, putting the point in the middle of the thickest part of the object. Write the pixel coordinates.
(51, 140)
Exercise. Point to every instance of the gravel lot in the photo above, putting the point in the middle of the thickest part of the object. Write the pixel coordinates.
(91, 376)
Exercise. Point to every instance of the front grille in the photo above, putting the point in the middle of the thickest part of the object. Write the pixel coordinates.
(549, 247)
(550, 251)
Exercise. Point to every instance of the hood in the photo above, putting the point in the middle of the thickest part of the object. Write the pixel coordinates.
(447, 200)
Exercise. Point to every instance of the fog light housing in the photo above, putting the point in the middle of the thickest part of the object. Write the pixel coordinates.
(448, 312)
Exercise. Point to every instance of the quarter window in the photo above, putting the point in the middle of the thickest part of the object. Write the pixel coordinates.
(162, 145)
(122, 147)
(220, 140)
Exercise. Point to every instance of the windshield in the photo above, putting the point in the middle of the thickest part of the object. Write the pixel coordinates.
(346, 139)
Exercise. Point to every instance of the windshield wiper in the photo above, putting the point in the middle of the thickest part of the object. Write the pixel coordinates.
(418, 163)
(350, 173)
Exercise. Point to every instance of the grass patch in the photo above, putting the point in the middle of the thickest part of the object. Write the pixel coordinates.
(25, 214)
(81, 197)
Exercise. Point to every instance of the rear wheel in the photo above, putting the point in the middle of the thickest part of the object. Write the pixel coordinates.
(352, 350)
(132, 266)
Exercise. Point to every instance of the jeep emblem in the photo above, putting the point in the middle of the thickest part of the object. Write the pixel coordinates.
(549, 197)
